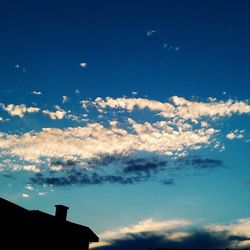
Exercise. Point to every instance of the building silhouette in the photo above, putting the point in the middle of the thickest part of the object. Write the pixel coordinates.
(33, 229)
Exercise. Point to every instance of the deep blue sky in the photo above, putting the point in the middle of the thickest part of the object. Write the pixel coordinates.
(145, 52)
(49, 39)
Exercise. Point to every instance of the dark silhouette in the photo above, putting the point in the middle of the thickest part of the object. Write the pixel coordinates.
(33, 229)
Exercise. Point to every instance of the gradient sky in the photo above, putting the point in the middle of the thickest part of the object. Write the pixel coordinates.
(135, 114)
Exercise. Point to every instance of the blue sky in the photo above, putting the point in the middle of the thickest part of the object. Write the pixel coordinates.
(133, 113)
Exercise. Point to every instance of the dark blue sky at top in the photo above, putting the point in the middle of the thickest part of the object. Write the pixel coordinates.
(50, 38)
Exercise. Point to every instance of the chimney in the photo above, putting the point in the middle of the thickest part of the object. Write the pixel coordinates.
(61, 212)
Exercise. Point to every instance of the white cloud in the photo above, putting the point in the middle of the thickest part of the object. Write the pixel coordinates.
(29, 187)
(25, 196)
(239, 228)
(83, 64)
(65, 99)
(148, 225)
(177, 107)
(57, 115)
(180, 229)
(150, 32)
(182, 126)
(236, 134)
(19, 110)
(17, 66)
(94, 140)
(41, 193)
(1, 119)
(28, 168)
(36, 92)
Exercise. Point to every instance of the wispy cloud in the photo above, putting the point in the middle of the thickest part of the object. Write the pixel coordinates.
(77, 91)
(150, 32)
(65, 99)
(36, 92)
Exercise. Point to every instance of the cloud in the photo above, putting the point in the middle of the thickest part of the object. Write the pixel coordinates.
(25, 196)
(150, 32)
(95, 140)
(175, 234)
(144, 165)
(149, 225)
(36, 92)
(82, 178)
(166, 139)
(1, 119)
(198, 162)
(19, 110)
(65, 99)
(41, 193)
(83, 64)
(57, 115)
(236, 134)
(198, 240)
(77, 91)
(29, 187)
(178, 107)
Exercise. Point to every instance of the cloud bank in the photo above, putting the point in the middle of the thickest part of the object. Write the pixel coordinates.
(176, 234)
(130, 150)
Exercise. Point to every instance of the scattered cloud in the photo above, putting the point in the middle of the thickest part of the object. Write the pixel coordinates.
(198, 162)
(236, 134)
(19, 110)
(171, 47)
(29, 187)
(150, 32)
(95, 140)
(36, 92)
(25, 196)
(177, 107)
(165, 45)
(42, 193)
(134, 151)
(77, 91)
(81, 178)
(125, 170)
(18, 67)
(57, 115)
(83, 64)
(65, 99)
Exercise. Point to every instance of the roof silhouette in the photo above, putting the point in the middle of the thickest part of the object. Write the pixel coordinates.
(32, 229)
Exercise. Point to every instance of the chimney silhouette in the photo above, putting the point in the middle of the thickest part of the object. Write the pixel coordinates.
(61, 212)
